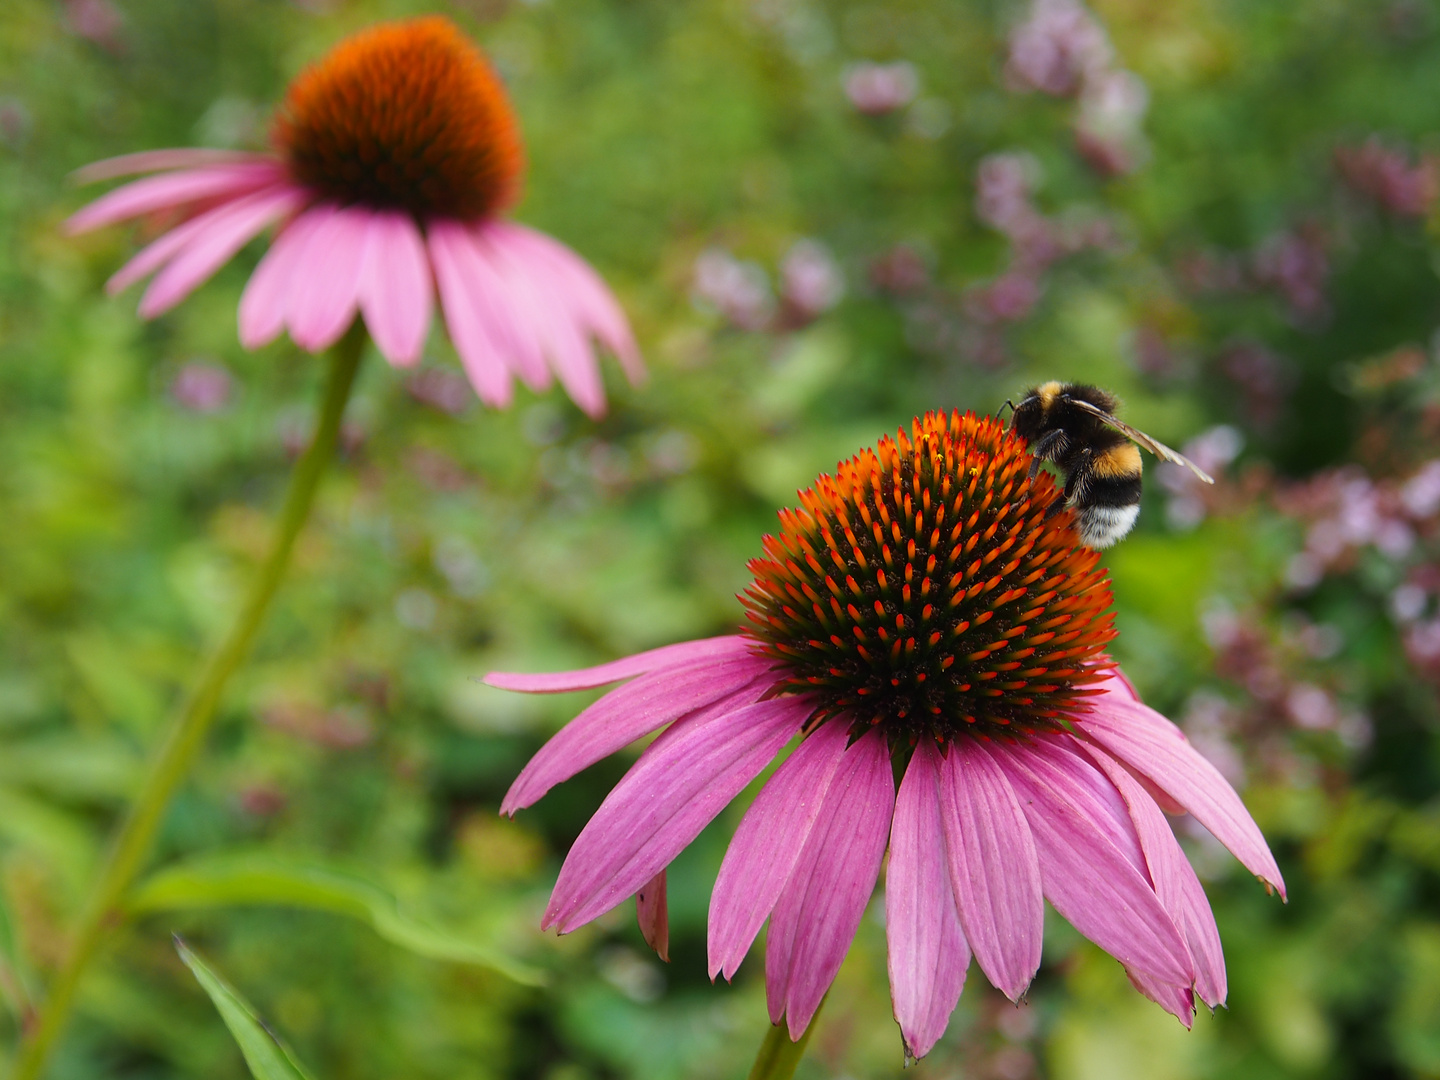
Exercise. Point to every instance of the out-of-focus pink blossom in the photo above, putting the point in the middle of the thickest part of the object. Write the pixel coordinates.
(1386, 176)
(95, 20)
(1004, 186)
(202, 386)
(1295, 264)
(1213, 451)
(1107, 128)
(1262, 376)
(738, 291)
(875, 89)
(441, 389)
(1420, 495)
(1057, 48)
(810, 280)
(901, 271)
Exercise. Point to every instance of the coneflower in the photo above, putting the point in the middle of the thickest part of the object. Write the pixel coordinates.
(396, 158)
(922, 608)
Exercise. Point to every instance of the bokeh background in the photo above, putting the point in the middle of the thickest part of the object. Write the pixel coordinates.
(824, 217)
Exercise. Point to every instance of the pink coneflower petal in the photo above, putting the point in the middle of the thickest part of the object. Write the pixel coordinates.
(395, 294)
(1157, 750)
(1087, 874)
(325, 296)
(928, 954)
(464, 300)
(263, 304)
(592, 297)
(506, 309)
(821, 905)
(676, 788)
(559, 682)
(173, 190)
(546, 302)
(162, 161)
(994, 870)
(653, 913)
(630, 712)
(1176, 885)
(161, 250)
(227, 230)
(766, 846)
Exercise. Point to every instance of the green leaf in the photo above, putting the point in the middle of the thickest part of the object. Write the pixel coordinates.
(226, 881)
(267, 1056)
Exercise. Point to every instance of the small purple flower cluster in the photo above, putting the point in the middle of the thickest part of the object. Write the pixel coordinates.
(739, 291)
(1385, 176)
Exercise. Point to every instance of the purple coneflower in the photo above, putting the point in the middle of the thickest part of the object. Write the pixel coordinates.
(920, 608)
(395, 158)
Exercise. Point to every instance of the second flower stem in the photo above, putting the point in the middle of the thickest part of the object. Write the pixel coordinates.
(778, 1056)
(132, 845)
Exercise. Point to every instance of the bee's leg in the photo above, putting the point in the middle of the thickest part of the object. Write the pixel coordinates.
(1046, 448)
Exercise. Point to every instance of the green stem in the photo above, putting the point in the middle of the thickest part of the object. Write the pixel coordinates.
(188, 730)
(778, 1056)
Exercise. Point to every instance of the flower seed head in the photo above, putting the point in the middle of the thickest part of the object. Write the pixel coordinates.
(407, 115)
(924, 589)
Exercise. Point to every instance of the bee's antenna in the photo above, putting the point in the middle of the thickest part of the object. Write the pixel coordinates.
(1008, 404)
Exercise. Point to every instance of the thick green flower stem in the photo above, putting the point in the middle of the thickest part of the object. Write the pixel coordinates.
(105, 909)
(778, 1056)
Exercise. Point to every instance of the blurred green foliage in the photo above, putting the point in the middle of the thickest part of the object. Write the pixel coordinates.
(1234, 274)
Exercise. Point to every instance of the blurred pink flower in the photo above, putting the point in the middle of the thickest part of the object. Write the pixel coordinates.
(739, 291)
(810, 280)
(202, 386)
(1057, 48)
(396, 156)
(1107, 127)
(1386, 176)
(1043, 784)
(881, 88)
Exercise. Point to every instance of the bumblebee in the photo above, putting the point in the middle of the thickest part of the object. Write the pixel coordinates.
(1074, 425)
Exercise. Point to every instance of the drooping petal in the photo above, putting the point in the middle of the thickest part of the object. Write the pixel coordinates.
(821, 905)
(764, 850)
(225, 233)
(504, 306)
(632, 711)
(395, 293)
(653, 913)
(542, 298)
(559, 682)
(463, 300)
(160, 161)
(263, 303)
(928, 955)
(1158, 751)
(595, 304)
(994, 871)
(173, 190)
(1174, 878)
(325, 290)
(1177, 1000)
(161, 250)
(1084, 866)
(676, 788)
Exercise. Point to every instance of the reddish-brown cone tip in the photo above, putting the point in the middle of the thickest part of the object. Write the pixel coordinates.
(405, 115)
(922, 588)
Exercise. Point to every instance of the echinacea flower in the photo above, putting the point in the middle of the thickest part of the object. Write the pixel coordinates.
(395, 159)
(922, 608)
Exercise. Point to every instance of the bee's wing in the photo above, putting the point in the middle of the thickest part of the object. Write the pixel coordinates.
(1155, 446)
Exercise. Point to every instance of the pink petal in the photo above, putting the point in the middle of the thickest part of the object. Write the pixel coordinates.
(632, 711)
(395, 295)
(173, 190)
(325, 286)
(676, 788)
(541, 300)
(463, 300)
(595, 304)
(1159, 752)
(588, 678)
(505, 308)
(994, 871)
(928, 955)
(227, 231)
(164, 248)
(1178, 1001)
(1087, 874)
(821, 905)
(160, 160)
(1174, 878)
(767, 845)
(263, 303)
(653, 914)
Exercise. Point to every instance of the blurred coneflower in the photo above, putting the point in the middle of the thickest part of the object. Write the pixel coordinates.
(396, 157)
(922, 610)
